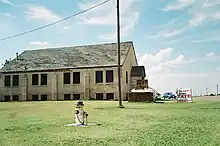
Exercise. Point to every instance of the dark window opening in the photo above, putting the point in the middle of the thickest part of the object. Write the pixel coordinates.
(76, 77)
(43, 79)
(8, 80)
(76, 96)
(15, 98)
(109, 76)
(43, 97)
(66, 96)
(99, 96)
(66, 78)
(7, 98)
(34, 79)
(99, 76)
(110, 96)
(15, 81)
(127, 95)
(126, 77)
(35, 98)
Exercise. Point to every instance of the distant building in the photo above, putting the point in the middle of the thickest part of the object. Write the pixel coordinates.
(68, 73)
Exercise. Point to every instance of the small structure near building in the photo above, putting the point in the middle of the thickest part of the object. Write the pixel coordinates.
(140, 90)
(141, 95)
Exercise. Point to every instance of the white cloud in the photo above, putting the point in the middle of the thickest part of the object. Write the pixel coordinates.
(106, 16)
(210, 54)
(197, 19)
(41, 13)
(195, 80)
(161, 61)
(211, 39)
(160, 68)
(215, 15)
(7, 2)
(218, 68)
(178, 5)
(39, 43)
(199, 16)
(210, 3)
(168, 34)
(65, 27)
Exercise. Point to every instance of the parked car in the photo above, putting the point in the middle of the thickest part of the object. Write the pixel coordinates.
(169, 95)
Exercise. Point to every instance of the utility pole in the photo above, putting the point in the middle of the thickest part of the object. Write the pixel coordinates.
(119, 57)
(217, 89)
(206, 91)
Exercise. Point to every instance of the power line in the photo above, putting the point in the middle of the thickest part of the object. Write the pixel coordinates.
(66, 18)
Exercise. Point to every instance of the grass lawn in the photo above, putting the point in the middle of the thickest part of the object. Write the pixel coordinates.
(41, 124)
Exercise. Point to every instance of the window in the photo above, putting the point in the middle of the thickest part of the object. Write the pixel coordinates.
(109, 76)
(76, 96)
(15, 98)
(99, 76)
(8, 80)
(66, 96)
(43, 97)
(66, 78)
(15, 80)
(76, 77)
(7, 98)
(126, 76)
(34, 97)
(99, 96)
(110, 96)
(43, 79)
(34, 79)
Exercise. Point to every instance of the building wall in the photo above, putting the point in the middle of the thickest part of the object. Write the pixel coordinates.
(129, 62)
(55, 88)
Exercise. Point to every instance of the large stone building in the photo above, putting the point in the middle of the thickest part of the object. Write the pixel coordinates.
(68, 73)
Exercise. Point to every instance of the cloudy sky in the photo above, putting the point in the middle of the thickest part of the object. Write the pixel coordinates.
(177, 40)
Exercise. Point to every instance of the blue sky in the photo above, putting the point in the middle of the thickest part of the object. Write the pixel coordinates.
(177, 40)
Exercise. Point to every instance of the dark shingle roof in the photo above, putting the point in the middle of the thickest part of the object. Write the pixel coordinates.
(69, 57)
(138, 71)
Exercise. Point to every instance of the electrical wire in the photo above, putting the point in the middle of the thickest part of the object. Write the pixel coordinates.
(66, 18)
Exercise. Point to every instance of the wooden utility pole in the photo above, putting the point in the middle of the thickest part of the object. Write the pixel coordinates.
(119, 57)
(217, 90)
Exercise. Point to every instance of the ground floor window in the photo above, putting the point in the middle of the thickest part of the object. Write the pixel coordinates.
(99, 96)
(15, 98)
(110, 96)
(76, 96)
(7, 98)
(66, 96)
(43, 97)
(34, 97)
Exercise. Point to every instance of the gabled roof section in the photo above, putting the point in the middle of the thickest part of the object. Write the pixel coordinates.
(68, 57)
(138, 71)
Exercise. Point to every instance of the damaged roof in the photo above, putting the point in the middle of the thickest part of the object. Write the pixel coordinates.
(68, 57)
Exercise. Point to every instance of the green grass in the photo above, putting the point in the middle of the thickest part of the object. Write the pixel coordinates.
(41, 124)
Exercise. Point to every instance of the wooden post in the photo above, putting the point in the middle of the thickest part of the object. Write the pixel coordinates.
(119, 57)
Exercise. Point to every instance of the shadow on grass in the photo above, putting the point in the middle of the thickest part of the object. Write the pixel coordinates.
(112, 108)
(215, 108)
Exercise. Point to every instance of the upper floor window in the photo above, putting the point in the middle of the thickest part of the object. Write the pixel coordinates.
(109, 76)
(76, 77)
(43, 79)
(99, 76)
(34, 79)
(66, 78)
(8, 80)
(15, 80)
